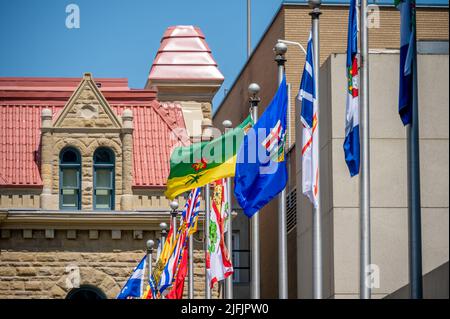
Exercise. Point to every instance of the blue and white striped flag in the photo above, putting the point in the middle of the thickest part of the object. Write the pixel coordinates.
(135, 284)
(188, 226)
(310, 146)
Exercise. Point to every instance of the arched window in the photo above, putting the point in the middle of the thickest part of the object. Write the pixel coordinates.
(103, 179)
(70, 179)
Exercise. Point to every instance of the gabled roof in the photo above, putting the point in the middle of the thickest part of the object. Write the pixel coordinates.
(21, 103)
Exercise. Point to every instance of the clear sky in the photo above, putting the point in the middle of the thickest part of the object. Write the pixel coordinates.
(119, 38)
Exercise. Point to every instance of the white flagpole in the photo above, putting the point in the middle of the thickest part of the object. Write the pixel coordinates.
(365, 290)
(317, 218)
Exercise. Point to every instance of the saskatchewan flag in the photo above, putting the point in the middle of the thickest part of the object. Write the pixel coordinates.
(201, 163)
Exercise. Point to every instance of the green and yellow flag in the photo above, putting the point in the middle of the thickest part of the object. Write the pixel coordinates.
(201, 163)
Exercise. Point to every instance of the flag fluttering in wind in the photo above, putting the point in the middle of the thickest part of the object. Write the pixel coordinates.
(135, 284)
(161, 261)
(201, 163)
(218, 259)
(351, 142)
(172, 278)
(310, 146)
(261, 171)
(407, 54)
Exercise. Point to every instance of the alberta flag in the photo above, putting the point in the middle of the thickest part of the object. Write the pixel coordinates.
(135, 285)
(351, 142)
(407, 54)
(261, 171)
(310, 147)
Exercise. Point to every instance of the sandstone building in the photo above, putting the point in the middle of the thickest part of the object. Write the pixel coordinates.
(83, 166)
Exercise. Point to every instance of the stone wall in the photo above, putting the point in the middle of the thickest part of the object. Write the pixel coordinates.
(43, 268)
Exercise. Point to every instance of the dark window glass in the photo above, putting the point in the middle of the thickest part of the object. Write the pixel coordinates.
(104, 179)
(70, 179)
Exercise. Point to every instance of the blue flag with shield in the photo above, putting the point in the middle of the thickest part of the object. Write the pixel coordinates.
(261, 171)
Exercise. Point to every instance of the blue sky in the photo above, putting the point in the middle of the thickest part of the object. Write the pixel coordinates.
(120, 38)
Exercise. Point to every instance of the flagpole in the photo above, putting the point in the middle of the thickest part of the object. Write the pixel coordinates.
(249, 27)
(150, 244)
(207, 219)
(317, 216)
(414, 204)
(174, 213)
(191, 268)
(206, 136)
(229, 236)
(253, 90)
(280, 50)
(365, 289)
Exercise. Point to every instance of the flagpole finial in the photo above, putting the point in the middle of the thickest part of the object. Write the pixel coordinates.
(227, 123)
(253, 89)
(174, 205)
(150, 244)
(280, 48)
(314, 3)
(163, 226)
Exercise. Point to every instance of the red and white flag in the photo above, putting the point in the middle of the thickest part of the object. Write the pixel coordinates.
(218, 259)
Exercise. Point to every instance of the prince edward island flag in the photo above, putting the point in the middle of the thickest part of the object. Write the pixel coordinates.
(261, 171)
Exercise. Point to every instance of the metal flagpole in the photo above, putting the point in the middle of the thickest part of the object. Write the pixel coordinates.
(414, 205)
(229, 236)
(191, 268)
(207, 218)
(280, 50)
(150, 244)
(253, 90)
(174, 213)
(317, 217)
(206, 136)
(364, 285)
(249, 28)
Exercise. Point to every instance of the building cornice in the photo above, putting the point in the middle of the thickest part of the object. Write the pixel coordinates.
(84, 220)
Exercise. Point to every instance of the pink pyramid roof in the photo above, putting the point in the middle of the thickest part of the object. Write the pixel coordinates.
(184, 55)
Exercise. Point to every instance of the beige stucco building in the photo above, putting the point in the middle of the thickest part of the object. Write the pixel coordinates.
(388, 171)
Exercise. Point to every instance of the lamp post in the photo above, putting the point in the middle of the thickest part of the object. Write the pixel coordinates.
(150, 244)
(227, 124)
(255, 286)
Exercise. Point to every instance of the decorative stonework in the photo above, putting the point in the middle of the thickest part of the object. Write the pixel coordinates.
(52, 273)
(87, 123)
